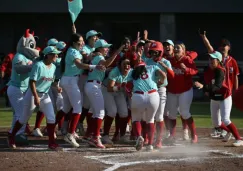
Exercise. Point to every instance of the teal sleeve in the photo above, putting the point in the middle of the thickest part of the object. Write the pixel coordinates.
(35, 72)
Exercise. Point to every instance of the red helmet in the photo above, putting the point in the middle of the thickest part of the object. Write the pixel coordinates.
(157, 46)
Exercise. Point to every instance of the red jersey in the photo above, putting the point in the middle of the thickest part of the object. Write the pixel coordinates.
(118, 57)
(216, 84)
(193, 55)
(182, 80)
(132, 56)
(6, 66)
(232, 71)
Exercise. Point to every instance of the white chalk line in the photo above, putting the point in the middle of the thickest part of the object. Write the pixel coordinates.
(117, 164)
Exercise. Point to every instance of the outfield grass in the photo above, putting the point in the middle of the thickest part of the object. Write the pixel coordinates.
(200, 112)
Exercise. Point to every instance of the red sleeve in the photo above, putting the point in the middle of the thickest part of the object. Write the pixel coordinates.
(170, 73)
(193, 55)
(235, 67)
(191, 68)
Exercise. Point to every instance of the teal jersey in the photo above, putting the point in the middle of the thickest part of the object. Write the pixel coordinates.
(58, 73)
(147, 81)
(19, 80)
(43, 75)
(70, 68)
(87, 49)
(116, 75)
(149, 61)
(144, 57)
(95, 74)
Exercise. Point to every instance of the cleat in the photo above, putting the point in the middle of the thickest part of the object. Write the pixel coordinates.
(227, 137)
(11, 141)
(139, 143)
(96, 142)
(37, 132)
(71, 140)
(55, 147)
(238, 143)
(149, 148)
(106, 140)
(194, 140)
(185, 134)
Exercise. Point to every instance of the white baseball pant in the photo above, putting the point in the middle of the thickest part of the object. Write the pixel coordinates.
(16, 98)
(85, 99)
(53, 95)
(45, 106)
(159, 116)
(220, 111)
(144, 106)
(59, 102)
(115, 102)
(71, 94)
(96, 99)
(181, 102)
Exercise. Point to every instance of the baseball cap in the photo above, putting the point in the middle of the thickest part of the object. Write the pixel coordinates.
(52, 42)
(93, 33)
(101, 43)
(169, 41)
(216, 55)
(61, 45)
(225, 42)
(50, 50)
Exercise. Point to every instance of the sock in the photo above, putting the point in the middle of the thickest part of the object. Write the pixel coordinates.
(59, 116)
(184, 123)
(222, 126)
(89, 125)
(39, 117)
(172, 127)
(123, 126)
(129, 117)
(50, 131)
(167, 122)
(234, 131)
(191, 126)
(17, 127)
(68, 115)
(97, 122)
(159, 131)
(137, 128)
(107, 124)
(150, 131)
(84, 114)
(144, 130)
(73, 122)
(117, 124)
(60, 123)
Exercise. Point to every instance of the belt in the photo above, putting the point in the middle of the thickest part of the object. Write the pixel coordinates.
(94, 81)
(149, 92)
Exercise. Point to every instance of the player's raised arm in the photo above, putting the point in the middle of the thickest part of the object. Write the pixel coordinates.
(206, 41)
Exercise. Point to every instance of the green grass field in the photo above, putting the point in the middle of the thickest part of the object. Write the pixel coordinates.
(200, 112)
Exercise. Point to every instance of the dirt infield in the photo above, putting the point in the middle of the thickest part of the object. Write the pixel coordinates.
(209, 154)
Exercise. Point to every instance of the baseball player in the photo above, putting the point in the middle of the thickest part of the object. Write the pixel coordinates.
(145, 100)
(217, 89)
(41, 78)
(72, 68)
(40, 115)
(169, 54)
(155, 53)
(230, 64)
(93, 90)
(180, 95)
(87, 52)
(115, 99)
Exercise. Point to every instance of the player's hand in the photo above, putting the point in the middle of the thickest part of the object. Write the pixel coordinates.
(202, 33)
(162, 64)
(198, 85)
(59, 89)
(37, 101)
(30, 63)
(160, 82)
(145, 34)
(100, 67)
(183, 66)
(121, 48)
(73, 28)
(138, 36)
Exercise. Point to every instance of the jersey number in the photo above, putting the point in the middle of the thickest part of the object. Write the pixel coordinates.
(144, 76)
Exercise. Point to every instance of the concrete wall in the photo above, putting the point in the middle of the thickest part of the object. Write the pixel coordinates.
(128, 6)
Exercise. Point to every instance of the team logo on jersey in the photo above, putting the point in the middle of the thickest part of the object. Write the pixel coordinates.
(213, 81)
(144, 76)
(178, 71)
(47, 79)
